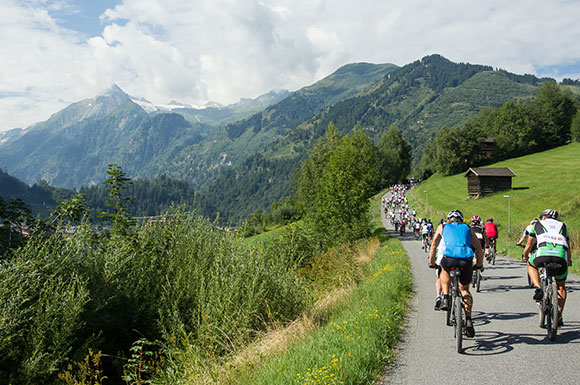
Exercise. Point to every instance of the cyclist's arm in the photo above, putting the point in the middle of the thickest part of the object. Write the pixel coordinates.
(476, 245)
(529, 246)
(523, 238)
(434, 244)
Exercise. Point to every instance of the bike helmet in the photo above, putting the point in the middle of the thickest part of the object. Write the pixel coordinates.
(549, 213)
(455, 214)
(475, 219)
(489, 220)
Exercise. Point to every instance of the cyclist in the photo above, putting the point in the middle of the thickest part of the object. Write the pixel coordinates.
(430, 229)
(461, 245)
(424, 233)
(551, 238)
(416, 227)
(527, 232)
(492, 233)
(479, 233)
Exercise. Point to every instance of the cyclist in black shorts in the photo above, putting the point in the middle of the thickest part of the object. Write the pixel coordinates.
(460, 246)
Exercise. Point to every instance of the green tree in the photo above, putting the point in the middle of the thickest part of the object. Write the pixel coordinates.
(458, 148)
(312, 169)
(116, 185)
(339, 212)
(395, 157)
(73, 209)
(512, 128)
(575, 127)
(552, 112)
(14, 217)
(426, 166)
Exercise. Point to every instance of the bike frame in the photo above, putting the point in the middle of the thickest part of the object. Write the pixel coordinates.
(549, 304)
(457, 309)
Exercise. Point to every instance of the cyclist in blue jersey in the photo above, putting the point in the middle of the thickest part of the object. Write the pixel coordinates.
(461, 245)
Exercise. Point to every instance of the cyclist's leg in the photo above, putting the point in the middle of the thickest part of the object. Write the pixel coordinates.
(444, 277)
(467, 299)
(533, 271)
(465, 280)
(561, 284)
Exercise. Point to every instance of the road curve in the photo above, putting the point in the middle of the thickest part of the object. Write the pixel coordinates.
(508, 348)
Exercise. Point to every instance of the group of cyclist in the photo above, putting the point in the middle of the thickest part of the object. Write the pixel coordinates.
(455, 244)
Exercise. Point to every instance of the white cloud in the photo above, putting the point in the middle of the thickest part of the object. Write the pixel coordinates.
(223, 50)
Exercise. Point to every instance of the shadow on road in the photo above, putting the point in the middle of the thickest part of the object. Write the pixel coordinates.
(495, 342)
(481, 318)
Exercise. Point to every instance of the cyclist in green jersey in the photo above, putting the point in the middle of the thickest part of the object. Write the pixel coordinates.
(551, 238)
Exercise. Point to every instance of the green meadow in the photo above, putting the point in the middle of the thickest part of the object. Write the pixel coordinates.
(550, 179)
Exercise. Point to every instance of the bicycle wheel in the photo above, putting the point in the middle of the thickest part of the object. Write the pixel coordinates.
(553, 331)
(493, 256)
(459, 323)
(548, 311)
(448, 320)
(543, 306)
(478, 280)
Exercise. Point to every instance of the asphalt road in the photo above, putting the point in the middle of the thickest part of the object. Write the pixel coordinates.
(508, 348)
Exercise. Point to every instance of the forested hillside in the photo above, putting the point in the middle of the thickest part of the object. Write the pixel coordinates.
(424, 96)
(248, 165)
(419, 99)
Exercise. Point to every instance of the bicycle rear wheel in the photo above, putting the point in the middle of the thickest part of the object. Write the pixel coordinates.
(448, 317)
(478, 280)
(459, 323)
(553, 330)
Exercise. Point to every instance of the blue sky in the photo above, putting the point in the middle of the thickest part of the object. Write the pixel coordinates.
(56, 52)
(83, 15)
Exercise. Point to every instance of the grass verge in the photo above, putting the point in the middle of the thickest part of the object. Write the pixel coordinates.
(355, 336)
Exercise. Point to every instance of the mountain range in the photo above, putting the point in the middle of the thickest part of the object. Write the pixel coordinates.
(241, 157)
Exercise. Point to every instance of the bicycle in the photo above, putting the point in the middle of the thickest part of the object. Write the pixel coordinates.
(491, 257)
(548, 306)
(456, 313)
(476, 281)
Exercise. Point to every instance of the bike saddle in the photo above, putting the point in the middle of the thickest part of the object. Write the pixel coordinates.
(455, 272)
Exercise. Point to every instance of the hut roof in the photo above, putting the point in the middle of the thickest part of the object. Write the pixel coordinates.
(479, 171)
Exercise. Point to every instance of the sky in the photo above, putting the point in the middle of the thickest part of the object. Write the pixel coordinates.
(57, 52)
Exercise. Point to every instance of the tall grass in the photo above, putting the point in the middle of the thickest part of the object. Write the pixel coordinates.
(184, 283)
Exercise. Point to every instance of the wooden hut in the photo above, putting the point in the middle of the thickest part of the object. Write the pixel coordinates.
(482, 181)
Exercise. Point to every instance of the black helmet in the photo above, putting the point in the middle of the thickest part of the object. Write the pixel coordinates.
(455, 214)
(549, 213)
